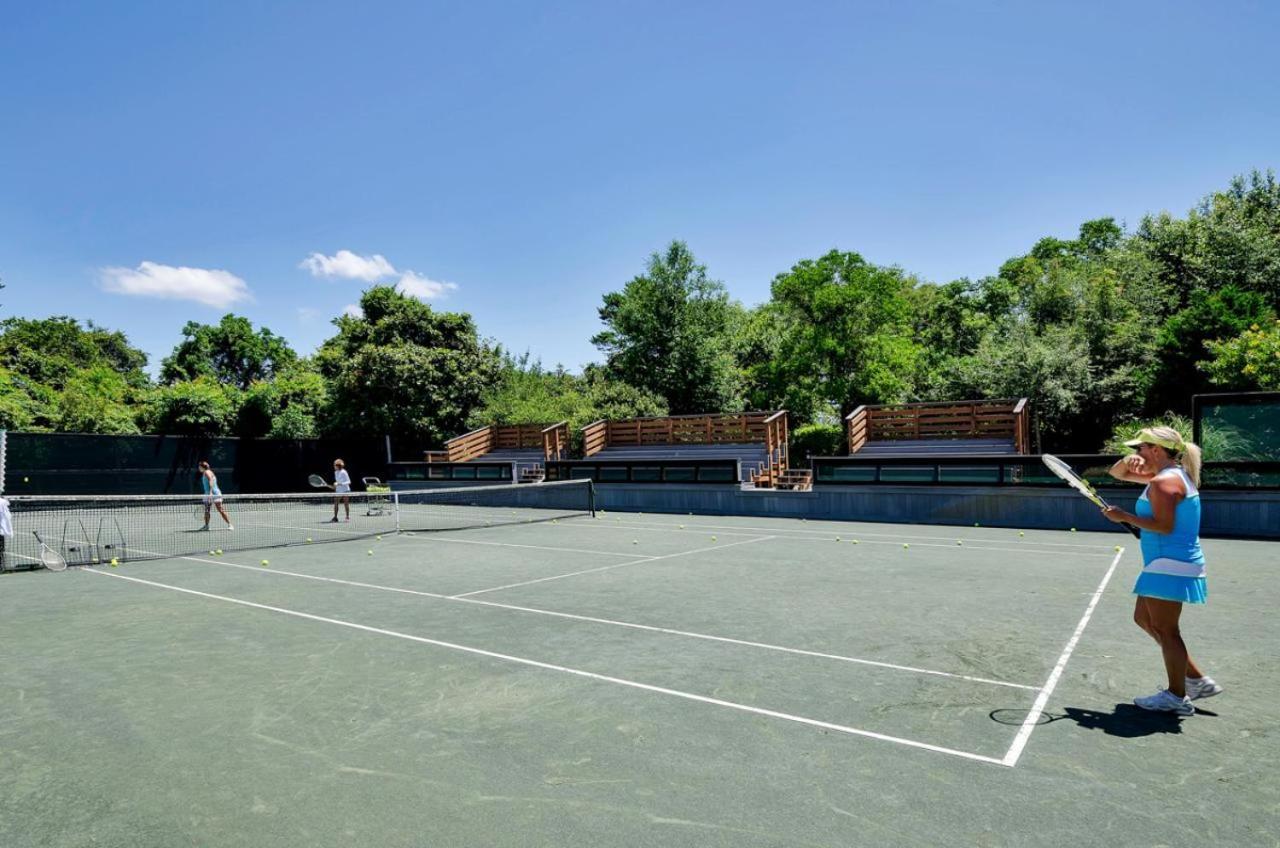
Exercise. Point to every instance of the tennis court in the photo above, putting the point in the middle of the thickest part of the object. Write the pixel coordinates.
(632, 679)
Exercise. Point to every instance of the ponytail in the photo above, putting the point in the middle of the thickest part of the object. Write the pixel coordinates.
(1191, 461)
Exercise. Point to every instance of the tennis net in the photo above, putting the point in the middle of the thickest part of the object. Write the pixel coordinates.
(89, 530)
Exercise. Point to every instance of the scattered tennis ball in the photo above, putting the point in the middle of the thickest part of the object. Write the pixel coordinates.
(266, 562)
(1073, 529)
(308, 540)
(96, 560)
(855, 541)
(837, 538)
(905, 545)
(681, 526)
(959, 541)
(1118, 548)
(713, 538)
(26, 479)
(210, 553)
(218, 551)
(635, 541)
(379, 538)
(370, 553)
(1020, 533)
(114, 562)
(976, 524)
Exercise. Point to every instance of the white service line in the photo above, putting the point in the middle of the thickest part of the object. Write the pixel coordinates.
(609, 567)
(849, 532)
(661, 690)
(612, 622)
(1029, 723)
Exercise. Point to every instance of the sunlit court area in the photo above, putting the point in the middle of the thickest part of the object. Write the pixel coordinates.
(580, 425)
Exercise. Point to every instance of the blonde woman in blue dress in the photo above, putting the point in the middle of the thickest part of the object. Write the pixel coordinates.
(212, 496)
(1173, 570)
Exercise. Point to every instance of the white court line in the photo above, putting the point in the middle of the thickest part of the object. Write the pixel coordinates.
(829, 533)
(608, 567)
(612, 622)
(1029, 723)
(661, 690)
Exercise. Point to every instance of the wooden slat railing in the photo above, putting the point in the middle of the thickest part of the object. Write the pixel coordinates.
(980, 419)
(595, 437)
(470, 445)
(555, 442)
(775, 441)
(685, 429)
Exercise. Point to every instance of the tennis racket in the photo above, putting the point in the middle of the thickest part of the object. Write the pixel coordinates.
(1064, 471)
(319, 482)
(50, 558)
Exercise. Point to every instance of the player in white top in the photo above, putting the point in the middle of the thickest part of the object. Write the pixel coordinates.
(342, 486)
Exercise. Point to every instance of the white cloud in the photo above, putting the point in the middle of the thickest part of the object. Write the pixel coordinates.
(149, 279)
(423, 288)
(353, 310)
(348, 266)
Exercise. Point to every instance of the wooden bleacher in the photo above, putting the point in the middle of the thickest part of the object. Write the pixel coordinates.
(987, 427)
(527, 446)
(757, 440)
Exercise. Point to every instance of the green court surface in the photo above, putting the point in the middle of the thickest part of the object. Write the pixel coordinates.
(635, 680)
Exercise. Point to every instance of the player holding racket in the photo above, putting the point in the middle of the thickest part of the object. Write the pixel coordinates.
(342, 487)
(212, 495)
(1168, 514)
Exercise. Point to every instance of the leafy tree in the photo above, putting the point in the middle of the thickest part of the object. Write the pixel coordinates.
(49, 351)
(1247, 362)
(21, 408)
(404, 370)
(199, 407)
(96, 400)
(670, 331)
(849, 328)
(287, 407)
(231, 352)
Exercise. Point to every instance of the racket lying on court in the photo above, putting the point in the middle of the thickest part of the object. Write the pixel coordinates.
(50, 558)
(1064, 471)
(318, 482)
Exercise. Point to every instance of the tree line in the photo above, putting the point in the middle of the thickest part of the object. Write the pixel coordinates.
(1099, 331)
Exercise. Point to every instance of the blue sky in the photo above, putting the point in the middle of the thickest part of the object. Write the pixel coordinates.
(516, 161)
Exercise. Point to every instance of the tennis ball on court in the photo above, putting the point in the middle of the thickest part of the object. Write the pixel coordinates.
(210, 553)
(976, 524)
(837, 538)
(855, 541)
(959, 541)
(26, 479)
(218, 551)
(308, 540)
(1020, 533)
(266, 562)
(713, 538)
(681, 526)
(635, 541)
(1073, 529)
(114, 562)
(379, 538)
(370, 553)
(1118, 548)
(905, 545)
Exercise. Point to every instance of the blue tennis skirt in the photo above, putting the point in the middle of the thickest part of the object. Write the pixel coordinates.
(1169, 587)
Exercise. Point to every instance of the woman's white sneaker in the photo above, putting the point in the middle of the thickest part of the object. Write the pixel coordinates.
(1165, 701)
(1204, 687)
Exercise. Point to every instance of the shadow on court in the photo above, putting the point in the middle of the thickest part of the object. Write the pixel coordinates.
(1126, 721)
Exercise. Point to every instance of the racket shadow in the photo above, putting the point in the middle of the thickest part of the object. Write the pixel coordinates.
(1126, 721)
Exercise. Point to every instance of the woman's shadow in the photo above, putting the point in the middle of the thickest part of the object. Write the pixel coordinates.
(1126, 720)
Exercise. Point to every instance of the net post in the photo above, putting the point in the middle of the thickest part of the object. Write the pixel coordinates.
(395, 508)
(591, 498)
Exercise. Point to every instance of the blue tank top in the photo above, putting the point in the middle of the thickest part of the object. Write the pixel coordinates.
(204, 484)
(1178, 551)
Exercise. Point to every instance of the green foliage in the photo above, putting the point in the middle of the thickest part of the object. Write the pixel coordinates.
(671, 331)
(817, 440)
(404, 370)
(200, 407)
(50, 351)
(1249, 361)
(847, 331)
(231, 352)
(96, 400)
(20, 407)
(287, 407)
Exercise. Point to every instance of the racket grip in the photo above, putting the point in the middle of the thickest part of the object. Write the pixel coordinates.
(1137, 534)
